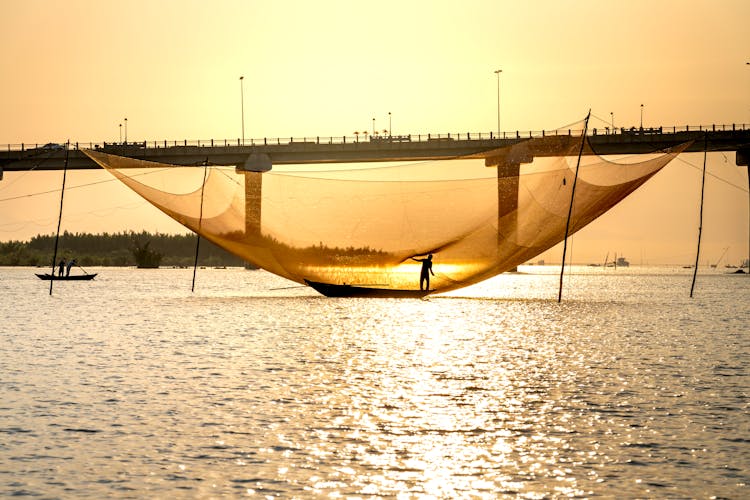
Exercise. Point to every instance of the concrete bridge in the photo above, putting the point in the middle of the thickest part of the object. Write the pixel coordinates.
(261, 154)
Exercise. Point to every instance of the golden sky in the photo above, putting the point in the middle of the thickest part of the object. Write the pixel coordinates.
(75, 69)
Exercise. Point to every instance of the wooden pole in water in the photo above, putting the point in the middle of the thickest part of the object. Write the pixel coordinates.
(200, 221)
(59, 216)
(700, 217)
(570, 208)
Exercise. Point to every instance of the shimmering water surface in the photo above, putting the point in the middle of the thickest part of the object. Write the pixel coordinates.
(131, 386)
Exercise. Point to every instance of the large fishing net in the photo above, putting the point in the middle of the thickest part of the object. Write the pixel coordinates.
(363, 226)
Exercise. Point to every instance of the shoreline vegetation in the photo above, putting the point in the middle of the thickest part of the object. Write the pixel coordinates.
(144, 249)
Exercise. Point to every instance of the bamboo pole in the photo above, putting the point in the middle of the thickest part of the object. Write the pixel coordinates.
(570, 208)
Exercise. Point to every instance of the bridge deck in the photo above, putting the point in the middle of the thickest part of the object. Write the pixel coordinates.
(349, 150)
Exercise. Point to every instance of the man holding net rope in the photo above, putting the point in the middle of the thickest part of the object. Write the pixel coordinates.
(424, 277)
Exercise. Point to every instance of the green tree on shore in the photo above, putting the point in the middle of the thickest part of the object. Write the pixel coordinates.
(115, 249)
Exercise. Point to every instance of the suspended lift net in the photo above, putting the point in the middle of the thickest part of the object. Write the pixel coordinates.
(478, 215)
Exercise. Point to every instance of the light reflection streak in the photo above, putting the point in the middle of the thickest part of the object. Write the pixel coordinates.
(440, 398)
(434, 409)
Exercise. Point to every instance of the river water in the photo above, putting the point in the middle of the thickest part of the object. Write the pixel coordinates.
(131, 386)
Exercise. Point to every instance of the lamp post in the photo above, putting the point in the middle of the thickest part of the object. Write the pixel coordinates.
(126, 130)
(641, 116)
(242, 108)
(497, 72)
(373, 126)
(612, 120)
(121, 133)
(390, 133)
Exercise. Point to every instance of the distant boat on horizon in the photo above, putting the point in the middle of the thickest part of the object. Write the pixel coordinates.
(618, 262)
(714, 266)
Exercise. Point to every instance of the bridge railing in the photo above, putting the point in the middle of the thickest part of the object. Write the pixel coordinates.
(376, 138)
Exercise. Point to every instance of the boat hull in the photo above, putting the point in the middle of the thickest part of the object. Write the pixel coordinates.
(331, 290)
(77, 277)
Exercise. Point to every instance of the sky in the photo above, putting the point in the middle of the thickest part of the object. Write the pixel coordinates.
(75, 70)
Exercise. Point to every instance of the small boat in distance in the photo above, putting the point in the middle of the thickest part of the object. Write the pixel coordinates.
(618, 262)
(75, 277)
(331, 290)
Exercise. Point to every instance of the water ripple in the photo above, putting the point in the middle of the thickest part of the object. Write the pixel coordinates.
(133, 387)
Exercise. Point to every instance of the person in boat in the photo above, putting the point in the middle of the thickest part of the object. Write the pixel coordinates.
(70, 264)
(61, 267)
(424, 277)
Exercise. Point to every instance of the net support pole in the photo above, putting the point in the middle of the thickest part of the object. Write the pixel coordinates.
(700, 216)
(200, 221)
(59, 217)
(570, 208)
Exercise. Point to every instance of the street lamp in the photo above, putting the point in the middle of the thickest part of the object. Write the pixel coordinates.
(126, 130)
(242, 108)
(641, 116)
(612, 120)
(121, 133)
(373, 126)
(497, 72)
(390, 133)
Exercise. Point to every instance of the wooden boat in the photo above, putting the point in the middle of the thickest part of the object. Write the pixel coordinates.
(73, 277)
(331, 290)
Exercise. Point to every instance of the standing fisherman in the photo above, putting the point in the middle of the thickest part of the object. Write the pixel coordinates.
(424, 276)
(70, 264)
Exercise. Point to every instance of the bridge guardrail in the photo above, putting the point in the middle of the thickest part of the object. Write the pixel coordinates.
(375, 138)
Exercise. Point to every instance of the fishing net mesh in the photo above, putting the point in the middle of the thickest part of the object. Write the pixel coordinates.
(478, 216)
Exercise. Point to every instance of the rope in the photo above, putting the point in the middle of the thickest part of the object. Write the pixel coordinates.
(40, 193)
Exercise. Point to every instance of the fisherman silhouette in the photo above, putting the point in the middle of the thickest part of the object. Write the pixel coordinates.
(70, 264)
(424, 276)
(61, 267)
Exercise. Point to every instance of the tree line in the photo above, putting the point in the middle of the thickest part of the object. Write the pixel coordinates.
(116, 249)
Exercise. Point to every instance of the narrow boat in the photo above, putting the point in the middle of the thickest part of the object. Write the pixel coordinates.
(76, 277)
(331, 290)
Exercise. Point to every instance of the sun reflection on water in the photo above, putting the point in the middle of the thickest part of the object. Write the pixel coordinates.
(439, 396)
(232, 393)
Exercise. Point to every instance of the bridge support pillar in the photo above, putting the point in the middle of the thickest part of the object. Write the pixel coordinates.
(743, 160)
(507, 202)
(253, 197)
(507, 189)
(253, 169)
(257, 162)
(743, 157)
